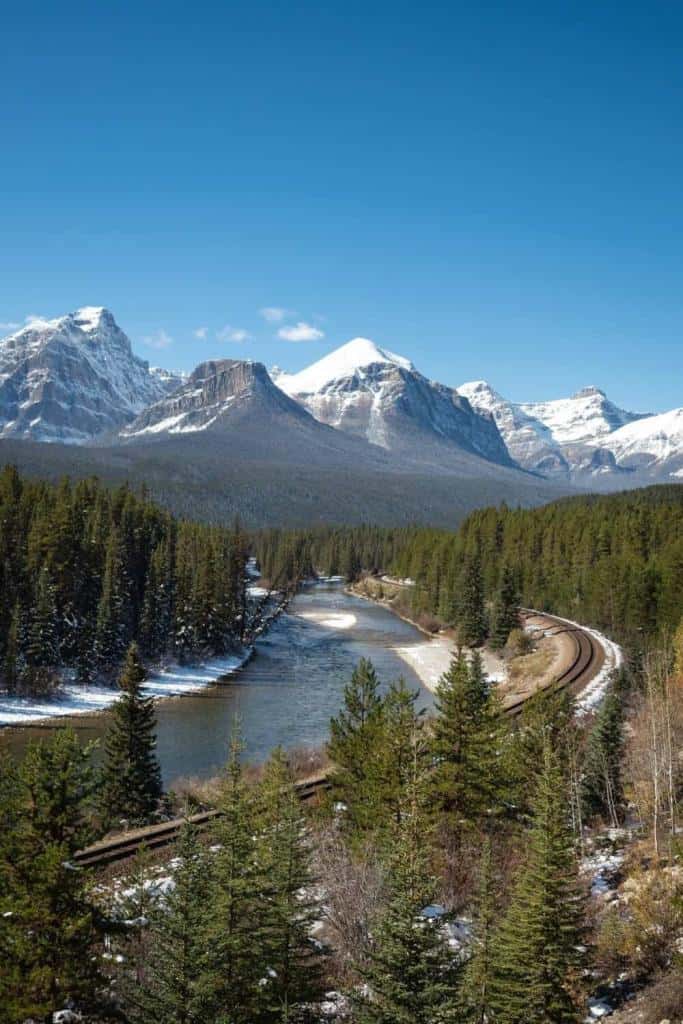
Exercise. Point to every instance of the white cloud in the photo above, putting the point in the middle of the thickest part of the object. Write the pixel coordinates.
(275, 314)
(229, 333)
(201, 333)
(9, 325)
(300, 332)
(160, 339)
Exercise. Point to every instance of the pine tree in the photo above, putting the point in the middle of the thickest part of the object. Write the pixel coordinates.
(353, 747)
(237, 912)
(536, 958)
(131, 780)
(602, 789)
(293, 976)
(168, 987)
(475, 991)
(11, 672)
(472, 616)
(411, 973)
(397, 747)
(50, 931)
(42, 645)
(112, 634)
(469, 780)
(505, 614)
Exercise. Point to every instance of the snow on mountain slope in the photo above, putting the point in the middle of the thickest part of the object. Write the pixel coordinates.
(555, 437)
(73, 378)
(648, 442)
(372, 393)
(345, 361)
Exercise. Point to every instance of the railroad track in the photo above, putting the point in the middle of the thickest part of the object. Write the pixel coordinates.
(153, 837)
(584, 665)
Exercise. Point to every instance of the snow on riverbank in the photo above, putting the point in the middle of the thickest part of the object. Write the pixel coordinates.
(73, 699)
(429, 660)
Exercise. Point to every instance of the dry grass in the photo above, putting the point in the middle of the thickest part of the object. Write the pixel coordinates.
(532, 666)
(191, 793)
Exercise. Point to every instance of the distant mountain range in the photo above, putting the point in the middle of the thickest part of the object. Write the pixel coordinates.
(359, 435)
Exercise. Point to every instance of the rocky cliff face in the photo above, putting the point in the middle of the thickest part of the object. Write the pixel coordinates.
(215, 394)
(73, 378)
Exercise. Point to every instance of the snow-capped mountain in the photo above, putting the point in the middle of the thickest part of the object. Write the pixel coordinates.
(652, 445)
(73, 378)
(559, 437)
(214, 396)
(370, 392)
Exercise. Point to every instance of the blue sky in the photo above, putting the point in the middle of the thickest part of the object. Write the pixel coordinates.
(494, 190)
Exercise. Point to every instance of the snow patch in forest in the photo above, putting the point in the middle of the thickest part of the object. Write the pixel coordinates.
(75, 699)
(330, 620)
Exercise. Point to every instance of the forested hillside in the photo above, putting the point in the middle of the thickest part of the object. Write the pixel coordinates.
(614, 562)
(85, 570)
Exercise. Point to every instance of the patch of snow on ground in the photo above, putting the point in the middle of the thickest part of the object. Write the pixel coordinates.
(74, 699)
(603, 868)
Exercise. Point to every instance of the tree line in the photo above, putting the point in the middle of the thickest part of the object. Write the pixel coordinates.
(614, 562)
(85, 570)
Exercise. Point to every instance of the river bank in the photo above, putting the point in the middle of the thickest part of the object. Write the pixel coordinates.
(72, 698)
(432, 658)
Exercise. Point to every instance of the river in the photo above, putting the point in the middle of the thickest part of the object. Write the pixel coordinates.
(285, 695)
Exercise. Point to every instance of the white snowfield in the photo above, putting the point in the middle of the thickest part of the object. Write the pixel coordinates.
(343, 362)
(658, 436)
(75, 699)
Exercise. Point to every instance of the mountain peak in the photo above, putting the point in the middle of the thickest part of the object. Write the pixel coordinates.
(93, 318)
(343, 362)
(590, 391)
(72, 378)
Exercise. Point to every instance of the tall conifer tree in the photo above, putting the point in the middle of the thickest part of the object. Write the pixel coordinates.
(536, 950)
(293, 975)
(411, 973)
(131, 782)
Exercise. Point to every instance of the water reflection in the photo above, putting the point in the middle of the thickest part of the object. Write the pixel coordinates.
(285, 695)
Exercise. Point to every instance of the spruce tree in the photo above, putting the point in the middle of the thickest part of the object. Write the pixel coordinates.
(238, 909)
(112, 633)
(354, 736)
(399, 743)
(42, 644)
(475, 991)
(50, 934)
(472, 614)
(293, 977)
(536, 950)
(601, 789)
(411, 974)
(11, 673)
(469, 778)
(131, 778)
(169, 986)
(505, 613)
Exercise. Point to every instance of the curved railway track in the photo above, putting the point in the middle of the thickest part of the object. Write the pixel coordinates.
(586, 663)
